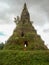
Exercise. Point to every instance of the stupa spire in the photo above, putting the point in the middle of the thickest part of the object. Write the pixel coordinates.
(25, 13)
(25, 6)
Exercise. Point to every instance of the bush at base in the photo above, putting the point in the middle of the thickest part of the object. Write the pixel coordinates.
(14, 57)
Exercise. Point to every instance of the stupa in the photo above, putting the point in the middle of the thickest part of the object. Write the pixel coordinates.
(25, 36)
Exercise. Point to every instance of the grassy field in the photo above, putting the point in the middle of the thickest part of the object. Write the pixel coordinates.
(13, 57)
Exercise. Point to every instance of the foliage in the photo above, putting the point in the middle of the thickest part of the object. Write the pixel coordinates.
(1, 46)
(14, 57)
(18, 44)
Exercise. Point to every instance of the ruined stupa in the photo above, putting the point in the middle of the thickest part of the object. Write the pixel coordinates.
(25, 36)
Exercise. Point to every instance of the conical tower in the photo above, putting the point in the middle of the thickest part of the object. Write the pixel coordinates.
(25, 14)
(25, 36)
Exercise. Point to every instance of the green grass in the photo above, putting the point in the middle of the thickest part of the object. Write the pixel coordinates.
(13, 57)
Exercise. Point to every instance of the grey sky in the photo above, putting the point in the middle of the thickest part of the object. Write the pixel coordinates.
(37, 9)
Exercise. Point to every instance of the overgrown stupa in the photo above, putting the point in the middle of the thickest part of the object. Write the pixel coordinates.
(24, 35)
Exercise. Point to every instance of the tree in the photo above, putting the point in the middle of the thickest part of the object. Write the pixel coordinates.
(1, 45)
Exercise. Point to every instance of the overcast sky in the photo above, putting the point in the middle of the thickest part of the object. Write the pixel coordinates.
(39, 14)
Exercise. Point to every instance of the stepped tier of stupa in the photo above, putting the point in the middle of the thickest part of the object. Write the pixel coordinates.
(25, 36)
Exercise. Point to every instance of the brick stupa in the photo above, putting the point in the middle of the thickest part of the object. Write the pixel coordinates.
(25, 36)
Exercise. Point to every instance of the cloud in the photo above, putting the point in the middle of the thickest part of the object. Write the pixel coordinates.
(46, 30)
(44, 34)
(37, 8)
(38, 15)
(4, 7)
(6, 30)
